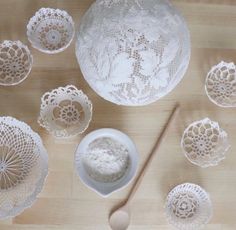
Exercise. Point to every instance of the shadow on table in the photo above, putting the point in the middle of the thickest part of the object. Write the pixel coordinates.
(181, 172)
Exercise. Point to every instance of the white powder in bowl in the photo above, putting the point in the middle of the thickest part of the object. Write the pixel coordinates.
(106, 160)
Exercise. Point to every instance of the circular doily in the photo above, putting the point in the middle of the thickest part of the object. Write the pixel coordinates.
(50, 30)
(188, 207)
(65, 111)
(221, 84)
(133, 52)
(205, 143)
(15, 62)
(23, 166)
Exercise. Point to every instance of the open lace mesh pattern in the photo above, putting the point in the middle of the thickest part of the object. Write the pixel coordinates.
(23, 166)
(188, 207)
(221, 84)
(205, 143)
(15, 62)
(65, 111)
(133, 52)
(50, 30)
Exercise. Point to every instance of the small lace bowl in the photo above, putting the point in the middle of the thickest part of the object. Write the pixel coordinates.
(65, 112)
(188, 207)
(50, 30)
(205, 143)
(15, 62)
(104, 189)
(220, 84)
(23, 166)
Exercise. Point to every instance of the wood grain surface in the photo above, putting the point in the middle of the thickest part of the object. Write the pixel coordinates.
(65, 203)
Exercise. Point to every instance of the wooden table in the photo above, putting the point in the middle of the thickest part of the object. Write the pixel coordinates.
(65, 203)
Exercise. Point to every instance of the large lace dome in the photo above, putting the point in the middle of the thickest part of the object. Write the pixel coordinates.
(133, 52)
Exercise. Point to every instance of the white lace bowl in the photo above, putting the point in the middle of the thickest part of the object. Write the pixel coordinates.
(205, 143)
(188, 207)
(221, 84)
(23, 166)
(133, 52)
(15, 62)
(65, 112)
(105, 189)
(50, 30)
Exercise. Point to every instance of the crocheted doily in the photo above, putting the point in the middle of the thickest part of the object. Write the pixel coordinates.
(133, 52)
(65, 111)
(188, 207)
(23, 166)
(205, 143)
(15, 62)
(221, 84)
(50, 30)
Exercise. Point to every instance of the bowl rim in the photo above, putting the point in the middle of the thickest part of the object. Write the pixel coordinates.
(107, 188)
(30, 33)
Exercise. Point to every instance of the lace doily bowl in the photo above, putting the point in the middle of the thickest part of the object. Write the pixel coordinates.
(106, 189)
(23, 166)
(133, 52)
(205, 143)
(188, 207)
(15, 62)
(65, 112)
(51, 30)
(221, 84)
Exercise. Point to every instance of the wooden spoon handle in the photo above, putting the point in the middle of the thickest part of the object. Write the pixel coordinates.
(153, 152)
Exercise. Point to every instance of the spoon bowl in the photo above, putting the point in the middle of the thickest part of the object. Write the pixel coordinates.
(120, 218)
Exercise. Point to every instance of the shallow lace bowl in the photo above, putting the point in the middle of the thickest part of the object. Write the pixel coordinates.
(50, 30)
(105, 189)
(65, 112)
(23, 166)
(15, 62)
(188, 207)
(205, 143)
(220, 84)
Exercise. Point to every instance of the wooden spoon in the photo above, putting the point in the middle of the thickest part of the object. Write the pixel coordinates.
(120, 218)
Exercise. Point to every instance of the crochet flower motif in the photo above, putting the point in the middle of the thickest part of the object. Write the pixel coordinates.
(188, 207)
(53, 37)
(68, 113)
(11, 167)
(221, 84)
(184, 205)
(205, 143)
(135, 57)
(15, 62)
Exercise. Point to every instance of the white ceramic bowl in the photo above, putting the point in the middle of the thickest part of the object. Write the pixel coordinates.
(105, 189)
